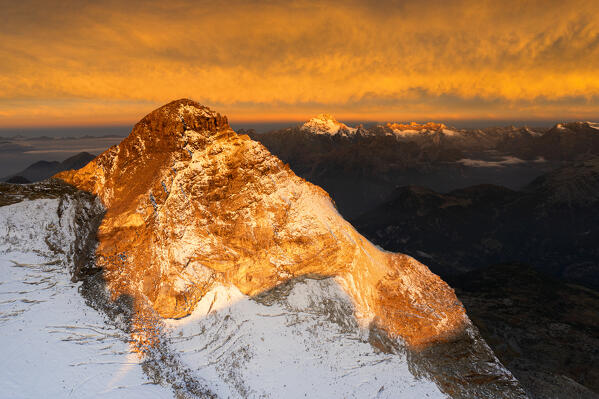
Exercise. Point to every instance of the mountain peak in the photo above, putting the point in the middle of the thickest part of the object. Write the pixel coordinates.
(190, 204)
(326, 124)
(182, 115)
(594, 125)
(195, 211)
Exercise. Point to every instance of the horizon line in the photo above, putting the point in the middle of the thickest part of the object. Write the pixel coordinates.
(462, 122)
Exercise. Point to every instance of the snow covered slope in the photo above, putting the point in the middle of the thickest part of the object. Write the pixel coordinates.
(53, 344)
(296, 341)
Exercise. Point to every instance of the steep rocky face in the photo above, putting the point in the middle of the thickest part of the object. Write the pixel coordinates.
(192, 206)
(67, 231)
(190, 203)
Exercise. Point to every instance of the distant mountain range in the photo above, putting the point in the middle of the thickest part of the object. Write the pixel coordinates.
(438, 142)
(360, 167)
(42, 170)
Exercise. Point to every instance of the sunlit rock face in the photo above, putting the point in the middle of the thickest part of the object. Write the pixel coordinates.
(192, 206)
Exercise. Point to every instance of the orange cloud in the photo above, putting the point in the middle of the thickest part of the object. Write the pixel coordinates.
(272, 60)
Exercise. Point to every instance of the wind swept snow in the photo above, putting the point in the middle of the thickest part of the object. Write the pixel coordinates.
(53, 345)
(295, 341)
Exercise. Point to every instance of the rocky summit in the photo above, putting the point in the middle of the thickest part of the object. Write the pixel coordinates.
(201, 219)
(191, 204)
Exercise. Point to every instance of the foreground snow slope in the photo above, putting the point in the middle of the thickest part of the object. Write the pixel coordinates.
(53, 345)
(296, 341)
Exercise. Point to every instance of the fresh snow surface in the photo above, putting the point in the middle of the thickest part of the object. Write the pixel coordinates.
(53, 345)
(304, 342)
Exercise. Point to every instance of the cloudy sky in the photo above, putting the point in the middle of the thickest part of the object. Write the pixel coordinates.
(111, 62)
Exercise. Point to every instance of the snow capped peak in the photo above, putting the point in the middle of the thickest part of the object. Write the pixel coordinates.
(576, 126)
(199, 216)
(326, 124)
(325, 117)
(414, 128)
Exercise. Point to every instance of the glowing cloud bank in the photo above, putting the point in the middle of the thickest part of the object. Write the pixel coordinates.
(107, 62)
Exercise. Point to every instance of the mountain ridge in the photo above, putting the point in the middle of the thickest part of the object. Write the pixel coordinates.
(42, 170)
